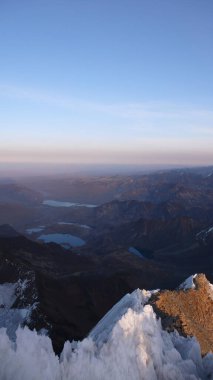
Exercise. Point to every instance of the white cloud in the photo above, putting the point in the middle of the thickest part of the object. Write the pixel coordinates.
(150, 114)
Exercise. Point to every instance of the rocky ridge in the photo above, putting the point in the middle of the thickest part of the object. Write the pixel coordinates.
(188, 310)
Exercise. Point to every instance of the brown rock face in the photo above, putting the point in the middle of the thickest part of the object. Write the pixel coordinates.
(188, 311)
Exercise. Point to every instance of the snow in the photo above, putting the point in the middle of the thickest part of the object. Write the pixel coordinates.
(106, 324)
(204, 234)
(11, 318)
(33, 230)
(7, 294)
(211, 291)
(128, 343)
(188, 283)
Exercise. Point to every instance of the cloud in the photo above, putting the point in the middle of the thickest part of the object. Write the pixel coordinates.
(143, 115)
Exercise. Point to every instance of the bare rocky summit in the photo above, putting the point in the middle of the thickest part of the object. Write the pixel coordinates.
(189, 311)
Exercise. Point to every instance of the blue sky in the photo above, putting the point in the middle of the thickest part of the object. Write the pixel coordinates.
(112, 82)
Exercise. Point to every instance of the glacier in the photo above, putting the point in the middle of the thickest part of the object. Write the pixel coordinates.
(127, 344)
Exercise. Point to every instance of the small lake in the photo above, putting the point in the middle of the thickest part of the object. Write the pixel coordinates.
(135, 252)
(66, 240)
(53, 203)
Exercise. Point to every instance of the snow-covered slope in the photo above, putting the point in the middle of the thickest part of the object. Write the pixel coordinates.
(128, 343)
(15, 309)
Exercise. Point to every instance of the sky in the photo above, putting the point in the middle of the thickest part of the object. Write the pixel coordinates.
(106, 82)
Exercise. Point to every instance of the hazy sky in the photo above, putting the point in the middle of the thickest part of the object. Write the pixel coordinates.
(106, 81)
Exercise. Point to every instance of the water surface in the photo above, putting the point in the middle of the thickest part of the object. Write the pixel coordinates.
(53, 203)
(66, 240)
(135, 252)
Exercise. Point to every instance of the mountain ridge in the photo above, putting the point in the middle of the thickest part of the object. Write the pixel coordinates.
(128, 342)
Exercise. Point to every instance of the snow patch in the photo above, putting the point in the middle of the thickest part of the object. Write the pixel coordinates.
(188, 283)
(7, 294)
(211, 291)
(10, 317)
(33, 230)
(204, 234)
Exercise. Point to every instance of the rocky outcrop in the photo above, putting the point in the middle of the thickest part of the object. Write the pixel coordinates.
(189, 311)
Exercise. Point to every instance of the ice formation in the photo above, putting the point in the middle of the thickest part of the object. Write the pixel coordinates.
(128, 343)
(188, 283)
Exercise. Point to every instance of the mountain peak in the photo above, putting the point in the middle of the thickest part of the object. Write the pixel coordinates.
(188, 310)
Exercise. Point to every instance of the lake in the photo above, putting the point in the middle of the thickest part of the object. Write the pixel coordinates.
(54, 203)
(135, 252)
(66, 240)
